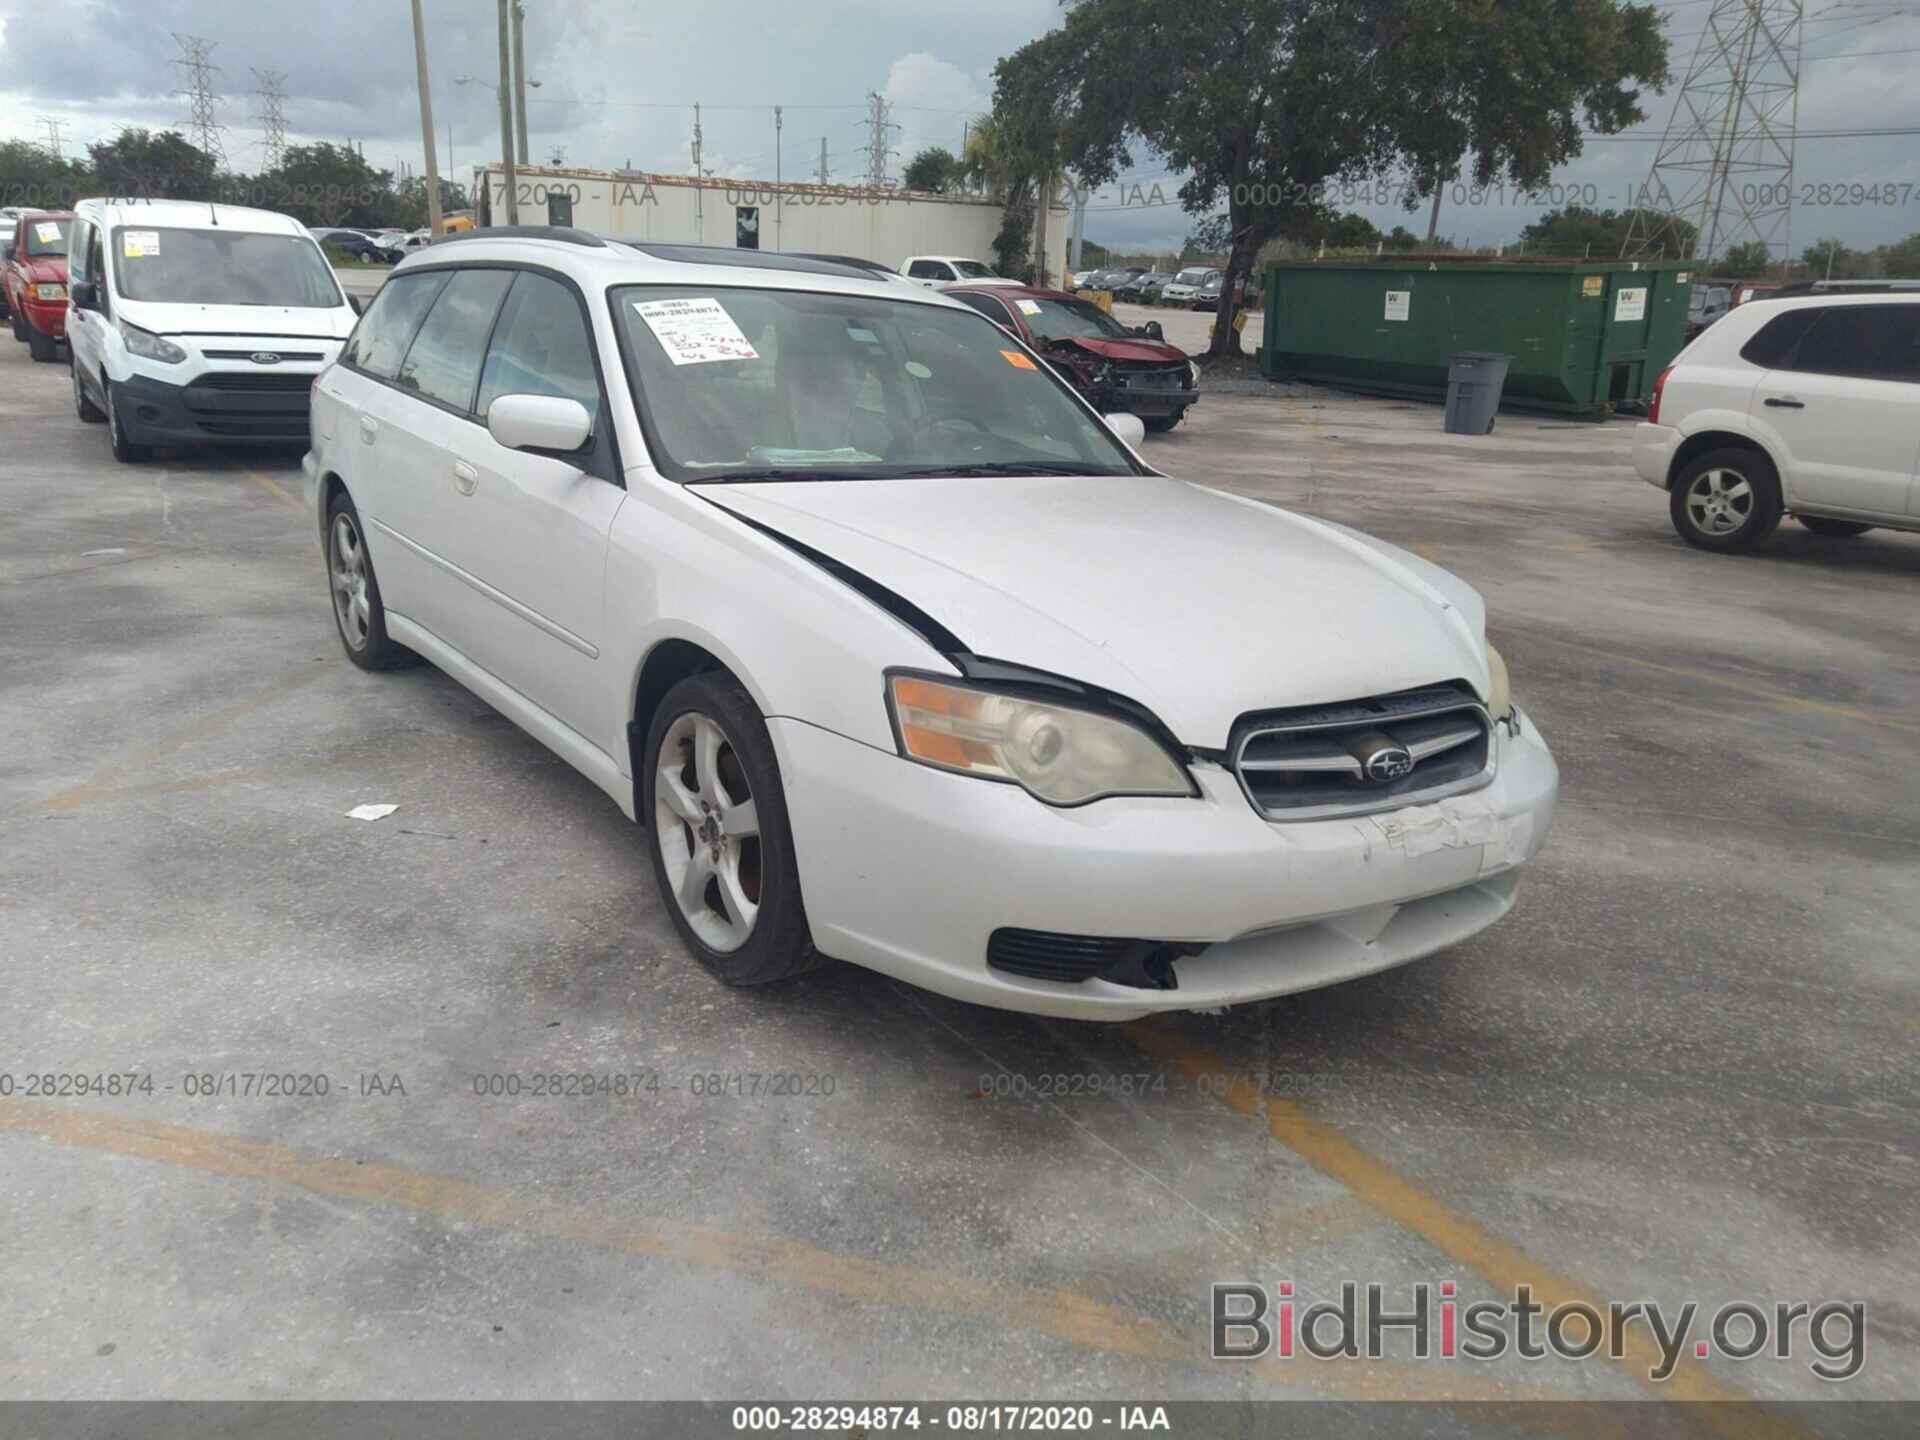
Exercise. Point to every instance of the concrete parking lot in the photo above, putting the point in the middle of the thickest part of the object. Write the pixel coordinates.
(1682, 1070)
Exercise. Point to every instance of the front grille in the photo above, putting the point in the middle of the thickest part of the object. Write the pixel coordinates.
(1363, 756)
(286, 356)
(1165, 377)
(1071, 959)
(243, 404)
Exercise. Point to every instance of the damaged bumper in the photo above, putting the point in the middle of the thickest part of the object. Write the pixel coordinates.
(1244, 908)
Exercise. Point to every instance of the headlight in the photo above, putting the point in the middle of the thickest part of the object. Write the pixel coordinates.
(1499, 687)
(49, 292)
(1061, 755)
(149, 346)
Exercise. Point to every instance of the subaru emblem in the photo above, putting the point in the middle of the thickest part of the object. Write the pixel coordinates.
(1390, 762)
(264, 357)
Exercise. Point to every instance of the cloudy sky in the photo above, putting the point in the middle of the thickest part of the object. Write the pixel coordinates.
(618, 84)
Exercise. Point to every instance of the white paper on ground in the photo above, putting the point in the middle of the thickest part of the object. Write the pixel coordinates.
(371, 812)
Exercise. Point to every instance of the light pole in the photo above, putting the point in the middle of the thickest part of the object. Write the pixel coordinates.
(426, 122)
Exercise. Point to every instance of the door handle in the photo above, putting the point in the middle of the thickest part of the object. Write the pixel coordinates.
(1785, 402)
(368, 428)
(465, 477)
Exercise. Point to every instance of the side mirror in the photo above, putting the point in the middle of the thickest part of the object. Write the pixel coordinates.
(82, 295)
(1153, 331)
(545, 424)
(358, 305)
(1129, 429)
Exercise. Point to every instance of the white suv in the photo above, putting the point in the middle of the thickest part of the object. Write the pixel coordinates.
(197, 324)
(898, 651)
(1807, 406)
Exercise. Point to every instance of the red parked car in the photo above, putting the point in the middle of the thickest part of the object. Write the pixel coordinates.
(1117, 369)
(35, 280)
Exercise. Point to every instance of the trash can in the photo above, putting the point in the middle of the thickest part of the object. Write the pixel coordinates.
(1475, 379)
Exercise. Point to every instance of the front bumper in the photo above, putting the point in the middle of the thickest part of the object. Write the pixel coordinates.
(1141, 400)
(49, 317)
(1653, 447)
(218, 408)
(909, 870)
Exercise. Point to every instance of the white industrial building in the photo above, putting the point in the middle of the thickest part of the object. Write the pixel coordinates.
(881, 225)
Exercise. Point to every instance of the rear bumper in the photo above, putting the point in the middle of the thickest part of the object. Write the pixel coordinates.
(1653, 447)
(201, 412)
(910, 870)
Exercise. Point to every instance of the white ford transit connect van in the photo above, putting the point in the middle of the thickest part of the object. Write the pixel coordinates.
(193, 323)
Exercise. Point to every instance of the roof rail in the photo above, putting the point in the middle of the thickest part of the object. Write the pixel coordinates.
(757, 259)
(565, 234)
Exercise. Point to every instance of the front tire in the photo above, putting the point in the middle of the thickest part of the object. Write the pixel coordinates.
(358, 613)
(126, 449)
(1726, 500)
(1833, 529)
(721, 846)
(19, 323)
(43, 348)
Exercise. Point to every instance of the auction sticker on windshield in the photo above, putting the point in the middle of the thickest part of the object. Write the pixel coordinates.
(1017, 360)
(138, 244)
(694, 332)
(47, 234)
(1029, 307)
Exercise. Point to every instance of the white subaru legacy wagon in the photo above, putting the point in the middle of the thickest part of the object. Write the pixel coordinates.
(898, 652)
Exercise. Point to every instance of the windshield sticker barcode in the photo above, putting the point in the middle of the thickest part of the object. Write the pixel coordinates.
(138, 244)
(695, 332)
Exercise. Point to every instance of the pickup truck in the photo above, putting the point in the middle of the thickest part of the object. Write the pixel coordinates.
(34, 278)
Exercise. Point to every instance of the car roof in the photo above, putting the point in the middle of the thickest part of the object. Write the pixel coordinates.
(1010, 292)
(1801, 299)
(188, 215)
(597, 262)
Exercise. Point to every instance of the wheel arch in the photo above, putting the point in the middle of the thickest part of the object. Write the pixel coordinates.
(667, 663)
(1704, 441)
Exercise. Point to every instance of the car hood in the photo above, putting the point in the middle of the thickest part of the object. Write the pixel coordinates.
(1135, 350)
(1198, 604)
(44, 269)
(296, 322)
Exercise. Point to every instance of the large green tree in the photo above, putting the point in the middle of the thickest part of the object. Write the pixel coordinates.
(1744, 261)
(30, 176)
(935, 168)
(329, 185)
(1261, 103)
(153, 166)
(1580, 232)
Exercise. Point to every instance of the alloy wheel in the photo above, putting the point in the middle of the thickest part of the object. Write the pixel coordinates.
(347, 569)
(1719, 501)
(708, 831)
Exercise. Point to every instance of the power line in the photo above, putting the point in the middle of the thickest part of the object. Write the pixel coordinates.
(272, 95)
(203, 120)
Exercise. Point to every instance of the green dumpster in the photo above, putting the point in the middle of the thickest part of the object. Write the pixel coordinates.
(1585, 336)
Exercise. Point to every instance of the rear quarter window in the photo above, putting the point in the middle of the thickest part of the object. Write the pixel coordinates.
(1773, 343)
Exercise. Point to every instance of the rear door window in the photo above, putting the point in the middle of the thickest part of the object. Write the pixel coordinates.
(387, 329)
(443, 363)
(540, 347)
(1873, 342)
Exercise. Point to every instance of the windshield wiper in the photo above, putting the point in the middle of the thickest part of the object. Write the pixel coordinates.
(1004, 467)
(749, 474)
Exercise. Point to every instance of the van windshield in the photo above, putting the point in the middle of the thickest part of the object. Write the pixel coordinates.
(222, 267)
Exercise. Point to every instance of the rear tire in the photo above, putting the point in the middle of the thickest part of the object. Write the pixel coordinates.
(1726, 500)
(718, 835)
(1161, 424)
(126, 449)
(43, 348)
(358, 614)
(1833, 529)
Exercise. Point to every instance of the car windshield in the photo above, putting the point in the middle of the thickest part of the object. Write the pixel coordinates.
(1213, 283)
(971, 269)
(1191, 277)
(47, 237)
(756, 384)
(1051, 319)
(222, 267)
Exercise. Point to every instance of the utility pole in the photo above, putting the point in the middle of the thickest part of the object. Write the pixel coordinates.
(506, 117)
(1079, 224)
(823, 159)
(1725, 163)
(777, 198)
(426, 121)
(699, 187)
(203, 120)
(272, 95)
(878, 123)
(520, 80)
(53, 128)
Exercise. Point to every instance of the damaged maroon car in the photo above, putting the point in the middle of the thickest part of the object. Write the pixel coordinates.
(1117, 369)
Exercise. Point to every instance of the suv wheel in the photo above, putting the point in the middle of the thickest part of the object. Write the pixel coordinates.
(1836, 529)
(721, 847)
(1726, 500)
(358, 613)
(125, 449)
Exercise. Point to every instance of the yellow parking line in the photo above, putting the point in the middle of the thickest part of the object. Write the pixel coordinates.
(1501, 1264)
(274, 487)
(1077, 1319)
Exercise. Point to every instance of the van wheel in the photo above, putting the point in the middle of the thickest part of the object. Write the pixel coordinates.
(358, 613)
(1726, 500)
(125, 449)
(1835, 529)
(43, 348)
(721, 846)
(83, 405)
